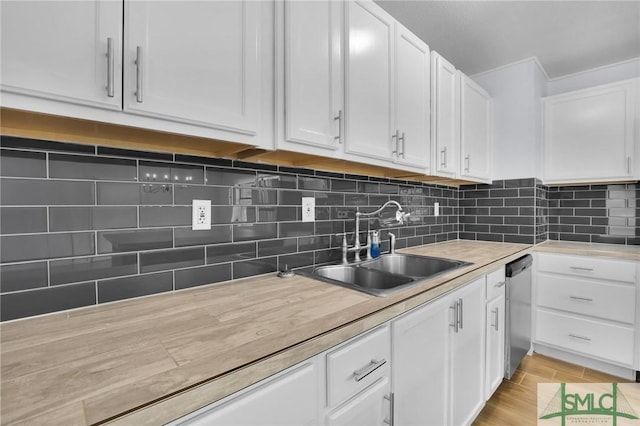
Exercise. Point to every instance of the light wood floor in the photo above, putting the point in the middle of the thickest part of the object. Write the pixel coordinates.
(514, 402)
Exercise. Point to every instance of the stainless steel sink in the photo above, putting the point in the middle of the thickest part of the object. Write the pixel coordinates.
(384, 275)
(413, 266)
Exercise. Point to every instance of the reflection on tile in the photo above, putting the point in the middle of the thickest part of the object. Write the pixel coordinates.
(231, 177)
(23, 276)
(45, 300)
(139, 285)
(217, 234)
(134, 240)
(92, 268)
(45, 246)
(328, 199)
(192, 277)
(171, 172)
(119, 194)
(254, 196)
(249, 268)
(356, 200)
(165, 216)
(269, 248)
(276, 181)
(40, 145)
(254, 231)
(84, 218)
(218, 195)
(343, 185)
(387, 188)
(295, 260)
(313, 183)
(368, 187)
(230, 252)
(132, 153)
(325, 256)
(89, 167)
(313, 243)
(23, 163)
(293, 198)
(235, 214)
(329, 227)
(171, 259)
(278, 214)
(296, 229)
(35, 192)
(23, 220)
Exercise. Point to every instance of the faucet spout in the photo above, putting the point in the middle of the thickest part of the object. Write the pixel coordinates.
(401, 218)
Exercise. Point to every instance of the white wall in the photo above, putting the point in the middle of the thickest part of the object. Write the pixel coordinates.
(515, 90)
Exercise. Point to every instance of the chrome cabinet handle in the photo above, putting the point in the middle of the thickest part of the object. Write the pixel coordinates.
(455, 324)
(395, 137)
(110, 68)
(576, 336)
(500, 284)
(495, 325)
(391, 398)
(339, 118)
(579, 268)
(586, 299)
(402, 139)
(628, 165)
(365, 371)
(138, 74)
(460, 312)
(443, 154)
(467, 159)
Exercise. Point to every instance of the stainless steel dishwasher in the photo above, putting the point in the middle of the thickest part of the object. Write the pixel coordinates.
(518, 309)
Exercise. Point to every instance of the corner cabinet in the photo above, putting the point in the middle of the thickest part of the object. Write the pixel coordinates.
(63, 51)
(591, 135)
(475, 131)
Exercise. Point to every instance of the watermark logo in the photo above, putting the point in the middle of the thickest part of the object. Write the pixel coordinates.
(616, 404)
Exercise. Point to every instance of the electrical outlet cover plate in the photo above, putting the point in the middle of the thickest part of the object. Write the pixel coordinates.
(201, 215)
(436, 209)
(308, 209)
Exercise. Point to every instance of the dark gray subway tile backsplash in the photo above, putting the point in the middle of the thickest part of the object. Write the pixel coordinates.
(86, 224)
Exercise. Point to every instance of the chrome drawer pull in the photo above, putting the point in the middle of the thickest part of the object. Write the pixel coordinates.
(500, 284)
(578, 268)
(576, 336)
(339, 119)
(391, 399)
(110, 68)
(365, 371)
(586, 299)
(138, 63)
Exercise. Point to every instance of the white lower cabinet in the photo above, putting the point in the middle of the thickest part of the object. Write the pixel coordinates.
(495, 332)
(438, 360)
(370, 407)
(288, 398)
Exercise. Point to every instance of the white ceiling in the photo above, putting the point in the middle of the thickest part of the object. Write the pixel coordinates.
(566, 36)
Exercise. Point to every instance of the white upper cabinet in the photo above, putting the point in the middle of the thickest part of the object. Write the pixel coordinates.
(589, 135)
(445, 113)
(475, 126)
(369, 100)
(65, 51)
(310, 73)
(196, 62)
(413, 88)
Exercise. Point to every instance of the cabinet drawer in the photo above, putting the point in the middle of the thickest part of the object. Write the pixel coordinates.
(588, 267)
(593, 338)
(357, 364)
(495, 283)
(609, 301)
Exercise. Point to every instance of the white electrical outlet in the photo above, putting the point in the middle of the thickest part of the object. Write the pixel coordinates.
(201, 215)
(436, 209)
(308, 209)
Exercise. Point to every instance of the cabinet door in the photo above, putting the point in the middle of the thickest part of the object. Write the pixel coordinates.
(412, 70)
(289, 399)
(494, 365)
(475, 147)
(589, 134)
(63, 50)
(421, 358)
(370, 407)
(313, 73)
(468, 354)
(369, 80)
(445, 113)
(194, 61)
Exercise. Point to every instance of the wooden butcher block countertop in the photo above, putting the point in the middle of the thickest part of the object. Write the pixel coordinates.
(154, 359)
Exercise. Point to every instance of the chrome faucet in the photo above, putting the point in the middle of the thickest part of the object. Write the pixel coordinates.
(401, 218)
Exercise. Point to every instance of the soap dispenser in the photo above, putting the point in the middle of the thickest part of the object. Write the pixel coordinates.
(375, 244)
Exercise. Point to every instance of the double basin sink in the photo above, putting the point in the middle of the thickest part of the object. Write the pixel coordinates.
(386, 274)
